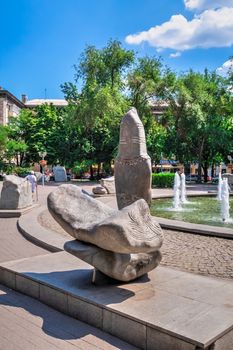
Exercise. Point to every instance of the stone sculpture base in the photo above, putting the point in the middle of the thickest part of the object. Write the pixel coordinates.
(168, 309)
(123, 267)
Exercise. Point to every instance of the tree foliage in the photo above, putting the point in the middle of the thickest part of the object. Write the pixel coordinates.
(197, 125)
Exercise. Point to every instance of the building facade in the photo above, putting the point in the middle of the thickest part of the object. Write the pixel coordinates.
(10, 106)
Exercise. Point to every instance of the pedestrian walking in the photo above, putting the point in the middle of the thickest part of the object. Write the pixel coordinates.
(33, 181)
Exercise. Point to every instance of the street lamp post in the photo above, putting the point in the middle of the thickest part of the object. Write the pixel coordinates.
(42, 163)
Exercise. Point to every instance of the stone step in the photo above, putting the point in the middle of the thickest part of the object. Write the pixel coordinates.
(168, 309)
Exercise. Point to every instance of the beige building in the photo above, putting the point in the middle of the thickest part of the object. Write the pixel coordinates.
(38, 102)
(10, 106)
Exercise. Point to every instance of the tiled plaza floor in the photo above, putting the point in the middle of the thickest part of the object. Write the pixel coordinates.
(27, 324)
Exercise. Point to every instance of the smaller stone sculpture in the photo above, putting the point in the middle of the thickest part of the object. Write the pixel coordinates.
(123, 244)
(16, 193)
(59, 174)
(109, 184)
(133, 165)
(99, 190)
(229, 177)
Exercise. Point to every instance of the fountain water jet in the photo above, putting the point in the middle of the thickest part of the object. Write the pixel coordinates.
(183, 196)
(220, 186)
(177, 183)
(225, 200)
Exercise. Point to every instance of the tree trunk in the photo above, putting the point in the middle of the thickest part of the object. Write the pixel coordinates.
(91, 173)
(212, 170)
(205, 168)
(98, 171)
(199, 172)
(200, 160)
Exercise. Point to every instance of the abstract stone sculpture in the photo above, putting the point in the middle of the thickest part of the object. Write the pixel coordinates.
(123, 244)
(59, 173)
(133, 164)
(99, 190)
(109, 184)
(16, 193)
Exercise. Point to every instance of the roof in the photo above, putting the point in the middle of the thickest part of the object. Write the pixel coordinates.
(41, 101)
(12, 98)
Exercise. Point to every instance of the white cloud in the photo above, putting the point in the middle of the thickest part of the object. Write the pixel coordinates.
(212, 28)
(207, 4)
(175, 54)
(224, 69)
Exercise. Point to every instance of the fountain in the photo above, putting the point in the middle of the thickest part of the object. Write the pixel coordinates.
(177, 183)
(203, 211)
(225, 200)
(179, 190)
(183, 196)
(219, 186)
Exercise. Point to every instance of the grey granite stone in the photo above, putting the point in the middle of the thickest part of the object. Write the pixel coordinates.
(16, 193)
(59, 173)
(133, 165)
(99, 190)
(122, 267)
(130, 230)
(109, 184)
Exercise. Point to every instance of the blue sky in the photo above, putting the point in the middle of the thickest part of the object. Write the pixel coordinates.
(42, 39)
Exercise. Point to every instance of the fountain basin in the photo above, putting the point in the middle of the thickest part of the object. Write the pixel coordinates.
(200, 215)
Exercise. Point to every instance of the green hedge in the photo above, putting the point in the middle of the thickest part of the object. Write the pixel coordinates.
(163, 180)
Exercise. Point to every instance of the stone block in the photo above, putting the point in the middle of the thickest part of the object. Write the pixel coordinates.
(55, 298)
(127, 329)
(163, 341)
(27, 286)
(7, 278)
(86, 312)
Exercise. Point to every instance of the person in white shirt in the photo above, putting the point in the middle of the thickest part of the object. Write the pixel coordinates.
(33, 181)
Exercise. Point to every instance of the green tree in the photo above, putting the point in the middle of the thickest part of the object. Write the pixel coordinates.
(146, 84)
(197, 115)
(35, 131)
(3, 138)
(99, 106)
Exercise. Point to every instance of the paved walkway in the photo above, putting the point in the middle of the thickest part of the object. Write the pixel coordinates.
(27, 324)
(198, 254)
(13, 245)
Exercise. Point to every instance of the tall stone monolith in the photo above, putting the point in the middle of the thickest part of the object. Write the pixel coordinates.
(133, 164)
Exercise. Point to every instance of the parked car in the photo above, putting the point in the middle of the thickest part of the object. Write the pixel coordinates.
(215, 179)
(191, 178)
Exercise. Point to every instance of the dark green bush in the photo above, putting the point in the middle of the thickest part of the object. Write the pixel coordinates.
(163, 180)
(21, 171)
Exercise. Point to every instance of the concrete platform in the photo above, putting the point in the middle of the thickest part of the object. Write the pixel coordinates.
(168, 309)
(16, 213)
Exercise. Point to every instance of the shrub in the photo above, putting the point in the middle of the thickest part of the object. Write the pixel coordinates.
(163, 180)
(80, 168)
(21, 171)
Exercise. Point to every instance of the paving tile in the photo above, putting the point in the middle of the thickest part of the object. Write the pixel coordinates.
(126, 329)
(54, 298)
(85, 312)
(162, 341)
